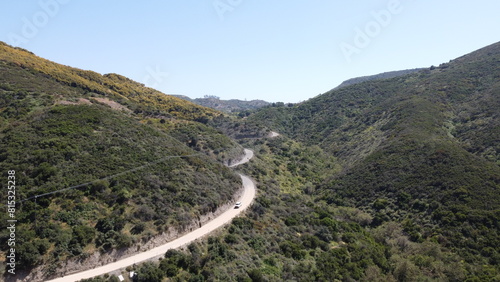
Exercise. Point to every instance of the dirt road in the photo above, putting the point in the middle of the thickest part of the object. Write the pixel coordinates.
(248, 155)
(245, 199)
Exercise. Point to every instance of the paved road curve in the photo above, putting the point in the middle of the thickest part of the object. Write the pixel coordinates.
(246, 199)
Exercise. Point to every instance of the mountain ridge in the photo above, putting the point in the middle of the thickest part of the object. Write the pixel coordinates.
(384, 75)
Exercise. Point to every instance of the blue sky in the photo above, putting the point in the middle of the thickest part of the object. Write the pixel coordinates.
(285, 51)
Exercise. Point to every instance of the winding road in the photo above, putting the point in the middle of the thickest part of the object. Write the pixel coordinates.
(246, 157)
(246, 199)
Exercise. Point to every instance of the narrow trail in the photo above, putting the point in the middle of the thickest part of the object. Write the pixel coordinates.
(249, 192)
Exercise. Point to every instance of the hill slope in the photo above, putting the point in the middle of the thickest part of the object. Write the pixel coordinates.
(421, 149)
(152, 165)
(129, 93)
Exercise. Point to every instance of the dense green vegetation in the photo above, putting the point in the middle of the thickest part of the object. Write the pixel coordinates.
(70, 145)
(150, 163)
(212, 142)
(421, 150)
(239, 128)
(291, 235)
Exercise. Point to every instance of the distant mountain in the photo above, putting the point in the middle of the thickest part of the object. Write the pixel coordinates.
(422, 149)
(228, 106)
(384, 75)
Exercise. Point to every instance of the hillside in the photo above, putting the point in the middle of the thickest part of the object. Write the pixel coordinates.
(455, 100)
(291, 234)
(422, 150)
(133, 95)
(152, 165)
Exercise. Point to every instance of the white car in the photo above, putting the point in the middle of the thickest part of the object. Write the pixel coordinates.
(238, 205)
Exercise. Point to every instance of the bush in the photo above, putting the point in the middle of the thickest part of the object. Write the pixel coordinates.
(256, 275)
(83, 234)
(149, 272)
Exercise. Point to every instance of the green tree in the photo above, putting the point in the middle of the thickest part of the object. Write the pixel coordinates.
(149, 272)
(83, 234)
(256, 275)
(28, 255)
